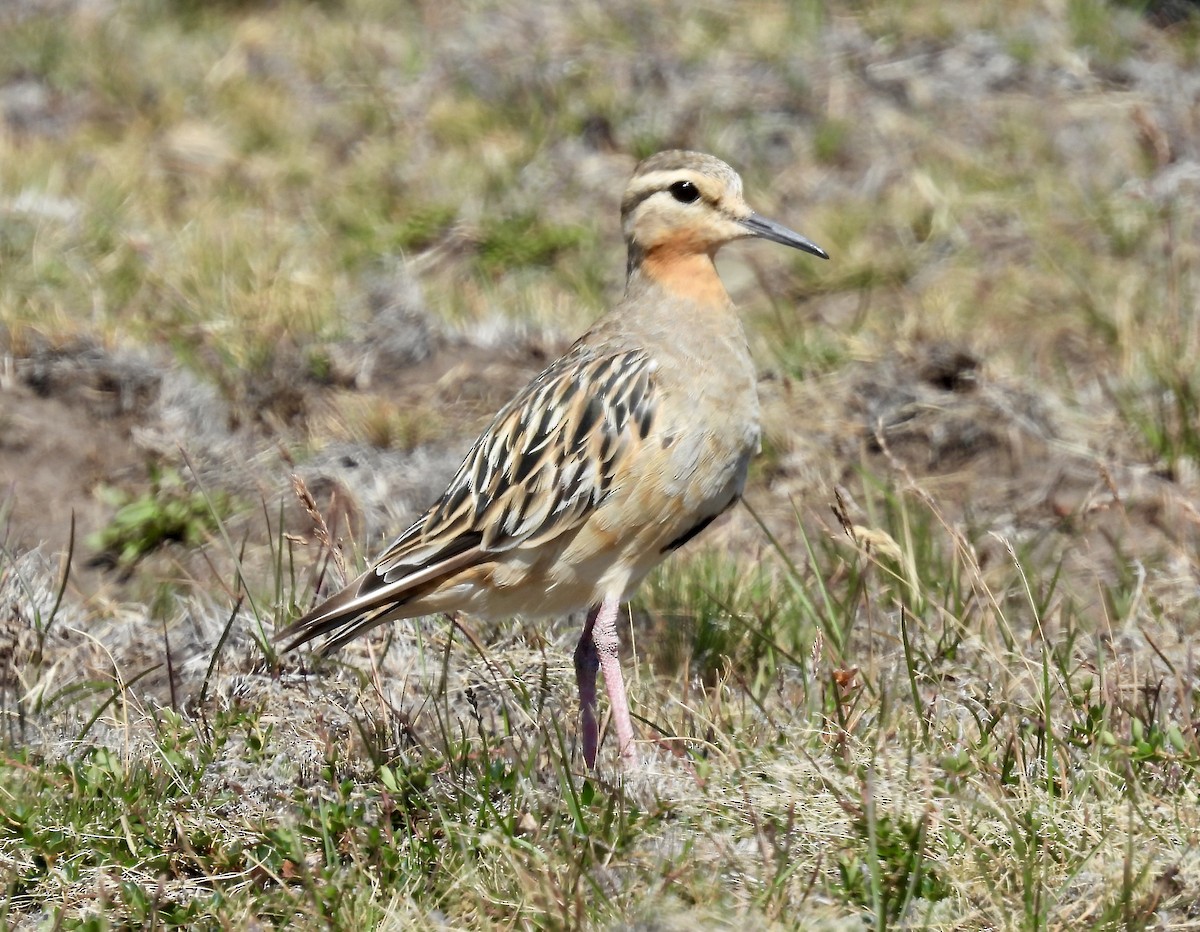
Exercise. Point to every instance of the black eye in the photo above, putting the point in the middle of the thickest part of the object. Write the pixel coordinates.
(685, 192)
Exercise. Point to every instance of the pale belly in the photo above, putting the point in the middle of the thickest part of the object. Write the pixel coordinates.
(641, 525)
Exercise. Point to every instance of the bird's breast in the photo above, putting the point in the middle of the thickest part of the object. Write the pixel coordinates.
(705, 434)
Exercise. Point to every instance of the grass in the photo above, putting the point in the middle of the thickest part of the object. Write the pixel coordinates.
(141, 524)
(937, 753)
(938, 676)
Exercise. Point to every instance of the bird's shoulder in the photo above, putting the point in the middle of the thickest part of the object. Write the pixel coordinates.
(548, 459)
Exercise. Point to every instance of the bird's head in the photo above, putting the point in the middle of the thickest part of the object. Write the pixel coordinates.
(686, 203)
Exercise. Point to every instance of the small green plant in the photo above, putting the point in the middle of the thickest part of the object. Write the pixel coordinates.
(894, 870)
(366, 233)
(719, 618)
(831, 142)
(523, 240)
(1096, 25)
(1167, 414)
(423, 227)
(170, 511)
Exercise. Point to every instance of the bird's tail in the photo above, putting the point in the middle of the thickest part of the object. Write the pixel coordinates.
(345, 616)
(373, 599)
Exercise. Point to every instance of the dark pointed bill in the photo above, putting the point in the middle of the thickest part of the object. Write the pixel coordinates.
(778, 233)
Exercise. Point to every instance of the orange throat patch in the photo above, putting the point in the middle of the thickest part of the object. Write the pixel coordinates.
(677, 266)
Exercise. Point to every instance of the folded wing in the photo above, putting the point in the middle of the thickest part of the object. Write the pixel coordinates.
(549, 458)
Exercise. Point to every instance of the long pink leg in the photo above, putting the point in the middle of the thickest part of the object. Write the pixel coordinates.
(598, 649)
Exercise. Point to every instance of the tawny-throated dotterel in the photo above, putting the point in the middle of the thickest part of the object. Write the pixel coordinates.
(617, 454)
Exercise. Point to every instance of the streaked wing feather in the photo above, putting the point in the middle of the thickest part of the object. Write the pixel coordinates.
(548, 459)
(364, 604)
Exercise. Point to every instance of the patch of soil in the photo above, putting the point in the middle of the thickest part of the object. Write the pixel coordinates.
(75, 419)
(60, 439)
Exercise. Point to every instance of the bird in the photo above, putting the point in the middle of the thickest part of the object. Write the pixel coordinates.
(613, 457)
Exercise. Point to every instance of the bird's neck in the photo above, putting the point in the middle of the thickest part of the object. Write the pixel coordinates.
(680, 272)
